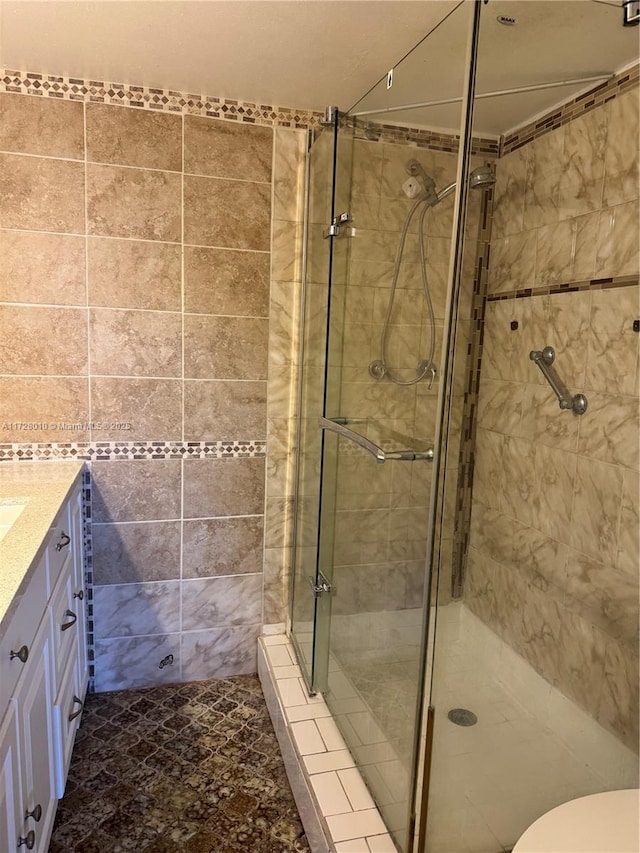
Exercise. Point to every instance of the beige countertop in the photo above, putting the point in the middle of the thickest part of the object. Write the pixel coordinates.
(45, 486)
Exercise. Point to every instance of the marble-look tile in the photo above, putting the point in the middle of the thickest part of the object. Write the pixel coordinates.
(542, 558)
(596, 509)
(278, 515)
(621, 157)
(44, 126)
(619, 705)
(222, 546)
(276, 570)
(543, 422)
(131, 553)
(135, 343)
(227, 214)
(288, 173)
(46, 268)
(220, 652)
(605, 596)
(214, 602)
(532, 316)
(618, 240)
(150, 406)
(56, 404)
(513, 262)
(224, 281)
(555, 477)
(224, 410)
(284, 322)
(125, 610)
(613, 345)
(628, 557)
(544, 170)
(489, 466)
(119, 273)
(139, 490)
(286, 251)
(542, 622)
(492, 533)
(497, 340)
(122, 664)
(568, 334)
(515, 490)
(586, 241)
(138, 203)
(219, 487)
(554, 253)
(610, 431)
(225, 347)
(149, 139)
(45, 341)
(227, 149)
(581, 181)
(581, 653)
(41, 194)
(508, 194)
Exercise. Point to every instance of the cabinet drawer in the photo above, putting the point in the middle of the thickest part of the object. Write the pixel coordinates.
(21, 631)
(60, 543)
(67, 712)
(67, 615)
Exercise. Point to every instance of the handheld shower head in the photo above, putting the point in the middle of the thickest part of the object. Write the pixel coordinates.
(417, 170)
(481, 178)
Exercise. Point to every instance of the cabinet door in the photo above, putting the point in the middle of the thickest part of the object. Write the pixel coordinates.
(34, 700)
(10, 794)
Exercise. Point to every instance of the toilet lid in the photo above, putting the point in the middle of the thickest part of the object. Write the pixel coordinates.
(600, 823)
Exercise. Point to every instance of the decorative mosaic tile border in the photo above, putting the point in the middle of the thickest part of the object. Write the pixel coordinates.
(112, 451)
(435, 140)
(571, 110)
(88, 572)
(567, 287)
(144, 97)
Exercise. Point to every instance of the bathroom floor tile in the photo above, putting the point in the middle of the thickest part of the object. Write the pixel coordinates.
(185, 768)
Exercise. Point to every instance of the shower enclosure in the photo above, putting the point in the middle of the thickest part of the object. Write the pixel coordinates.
(465, 574)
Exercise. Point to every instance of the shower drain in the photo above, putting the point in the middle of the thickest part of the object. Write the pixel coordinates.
(462, 717)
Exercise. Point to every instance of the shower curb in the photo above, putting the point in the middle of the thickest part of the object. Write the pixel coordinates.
(313, 755)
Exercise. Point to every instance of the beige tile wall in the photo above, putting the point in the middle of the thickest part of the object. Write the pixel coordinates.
(135, 287)
(553, 562)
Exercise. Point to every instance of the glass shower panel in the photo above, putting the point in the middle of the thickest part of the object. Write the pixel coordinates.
(314, 324)
(535, 668)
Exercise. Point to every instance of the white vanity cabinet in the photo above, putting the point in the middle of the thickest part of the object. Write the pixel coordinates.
(43, 682)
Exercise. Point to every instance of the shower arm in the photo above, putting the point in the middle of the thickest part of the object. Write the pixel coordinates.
(378, 453)
(544, 359)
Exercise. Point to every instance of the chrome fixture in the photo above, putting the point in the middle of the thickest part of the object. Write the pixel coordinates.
(544, 359)
(378, 453)
(321, 587)
(330, 116)
(335, 229)
(631, 12)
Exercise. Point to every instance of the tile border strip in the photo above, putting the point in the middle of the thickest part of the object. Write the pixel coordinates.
(435, 140)
(567, 287)
(114, 451)
(570, 110)
(149, 98)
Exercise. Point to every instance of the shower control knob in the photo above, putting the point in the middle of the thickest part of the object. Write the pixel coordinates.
(377, 369)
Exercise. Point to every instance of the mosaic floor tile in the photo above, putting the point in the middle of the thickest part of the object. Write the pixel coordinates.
(191, 768)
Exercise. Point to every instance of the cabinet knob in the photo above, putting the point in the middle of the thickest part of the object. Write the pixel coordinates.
(79, 595)
(22, 654)
(77, 713)
(73, 617)
(64, 541)
(29, 840)
(36, 813)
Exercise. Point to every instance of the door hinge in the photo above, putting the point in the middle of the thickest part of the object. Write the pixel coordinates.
(335, 229)
(321, 586)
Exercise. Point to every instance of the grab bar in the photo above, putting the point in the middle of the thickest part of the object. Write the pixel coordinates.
(544, 359)
(378, 453)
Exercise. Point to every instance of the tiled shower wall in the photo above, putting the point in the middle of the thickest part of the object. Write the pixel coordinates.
(136, 294)
(553, 559)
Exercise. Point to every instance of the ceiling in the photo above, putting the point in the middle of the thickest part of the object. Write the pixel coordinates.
(295, 53)
(311, 53)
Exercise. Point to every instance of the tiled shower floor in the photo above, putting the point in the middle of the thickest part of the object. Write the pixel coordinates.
(191, 768)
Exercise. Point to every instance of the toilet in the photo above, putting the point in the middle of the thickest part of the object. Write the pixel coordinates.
(608, 822)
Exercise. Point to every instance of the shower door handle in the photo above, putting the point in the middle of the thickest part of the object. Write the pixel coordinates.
(378, 453)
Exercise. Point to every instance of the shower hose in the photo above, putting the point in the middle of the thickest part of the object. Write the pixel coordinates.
(379, 369)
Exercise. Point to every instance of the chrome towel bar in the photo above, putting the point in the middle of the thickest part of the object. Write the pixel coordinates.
(544, 359)
(378, 453)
